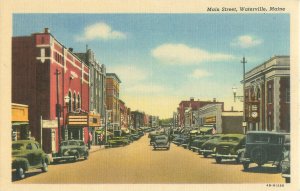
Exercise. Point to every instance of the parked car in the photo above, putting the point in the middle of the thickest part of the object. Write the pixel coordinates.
(161, 141)
(228, 147)
(198, 142)
(186, 142)
(264, 147)
(209, 147)
(178, 140)
(27, 155)
(118, 141)
(71, 150)
(285, 163)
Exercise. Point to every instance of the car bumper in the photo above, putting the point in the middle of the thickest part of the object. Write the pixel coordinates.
(286, 176)
(195, 148)
(206, 151)
(245, 160)
(226, 156)
(161, 146)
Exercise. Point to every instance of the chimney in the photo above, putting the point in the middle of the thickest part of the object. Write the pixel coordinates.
(192, 99)
(46, 30)
(214, 99)
(71, 49)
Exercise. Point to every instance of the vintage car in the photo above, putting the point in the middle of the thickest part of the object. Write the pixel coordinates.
(209, 147)
(71, 150)
(285, 163)
(198, 142)
(186, 142)
(161, 141)
(264, 147)
(118, 141)
(178, 140)
(228, 147)
(26, 155)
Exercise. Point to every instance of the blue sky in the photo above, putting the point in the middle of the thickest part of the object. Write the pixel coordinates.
(162, 59)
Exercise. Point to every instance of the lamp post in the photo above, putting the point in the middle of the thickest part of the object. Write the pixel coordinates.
(67, 102)
(242, 97)
(106, 123)
(58, 107)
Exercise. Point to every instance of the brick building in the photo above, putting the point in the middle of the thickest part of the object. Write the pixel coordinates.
(267, 95)
(186, 109)
(53, 82)
(112, 98)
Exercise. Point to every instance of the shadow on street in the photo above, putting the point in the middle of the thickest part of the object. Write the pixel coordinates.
(262, 169)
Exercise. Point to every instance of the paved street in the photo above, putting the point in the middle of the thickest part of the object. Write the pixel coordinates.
(138, 163)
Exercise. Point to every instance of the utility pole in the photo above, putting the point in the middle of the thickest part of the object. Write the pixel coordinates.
(244, 104)
(58, 106)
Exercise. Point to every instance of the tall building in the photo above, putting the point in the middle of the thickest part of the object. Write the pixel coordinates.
(267, 95)
(112, 98)
(97, 89)
(54, 83)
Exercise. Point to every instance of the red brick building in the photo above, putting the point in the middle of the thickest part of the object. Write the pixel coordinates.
(267, 95)
(188, 107)
(35, 61)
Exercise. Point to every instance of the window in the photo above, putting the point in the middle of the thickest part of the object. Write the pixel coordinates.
(270, 94)
(74, 102)
(78, 101)
(70, 102)
(287, 95)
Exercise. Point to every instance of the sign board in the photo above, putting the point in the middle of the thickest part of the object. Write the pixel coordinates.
(210, 119)
(94, 120)
(253, 112)
(49, 123)
(77, 120)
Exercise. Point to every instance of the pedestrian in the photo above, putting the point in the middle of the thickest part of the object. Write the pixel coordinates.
(101, 139)
(90, 140)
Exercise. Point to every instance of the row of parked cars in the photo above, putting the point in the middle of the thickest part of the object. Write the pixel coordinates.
(259, 147)
(28, 154)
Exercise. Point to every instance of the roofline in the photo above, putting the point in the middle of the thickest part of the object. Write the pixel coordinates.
(114, 75)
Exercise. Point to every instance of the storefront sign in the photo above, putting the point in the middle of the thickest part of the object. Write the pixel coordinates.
(94, 120)
(77, 119)
(253, 114)
(49, 124)
(210, 119)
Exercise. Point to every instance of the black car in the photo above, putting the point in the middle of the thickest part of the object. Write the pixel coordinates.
(161, 141)
(264, 147)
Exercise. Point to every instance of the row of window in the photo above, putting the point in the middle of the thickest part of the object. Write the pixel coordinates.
(74, 102)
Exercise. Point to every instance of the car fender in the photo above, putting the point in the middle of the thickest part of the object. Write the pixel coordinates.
(23, 162)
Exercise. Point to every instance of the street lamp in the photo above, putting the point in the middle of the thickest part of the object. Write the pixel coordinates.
(106, 123)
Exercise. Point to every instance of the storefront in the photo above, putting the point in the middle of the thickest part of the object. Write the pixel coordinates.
(94, 125)
(20, 122)
(77, 126)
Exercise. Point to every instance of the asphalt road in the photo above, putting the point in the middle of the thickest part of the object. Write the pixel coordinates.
(139, 163)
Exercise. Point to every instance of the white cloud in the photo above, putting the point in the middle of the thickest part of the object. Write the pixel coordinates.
(246, 41)
(100, 31)
(142, 88)
(183, 54)
(129, 73)
(198, 73)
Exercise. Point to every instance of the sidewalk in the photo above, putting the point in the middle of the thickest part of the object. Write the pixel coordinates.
(95, 148)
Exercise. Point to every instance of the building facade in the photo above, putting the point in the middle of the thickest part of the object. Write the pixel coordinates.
(267, 95)
(213, 115)
(54, 83)
(112, 99)
(19, 122)
(137, 119)
(186, 111)
(97, 89)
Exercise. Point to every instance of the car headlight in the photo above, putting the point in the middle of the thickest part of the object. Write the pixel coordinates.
(214, 149)
(285, 166)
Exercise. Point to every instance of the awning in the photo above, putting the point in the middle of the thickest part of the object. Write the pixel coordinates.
(20, 123)
(205, 129)
(194, 131)
(125, 130)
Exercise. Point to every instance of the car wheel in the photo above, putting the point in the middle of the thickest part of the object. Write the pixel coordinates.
(205, 155)
(76, 157)
(168, 148)
(154, 148)
(279, 168)
(45, 166)
(238, 159)
(218, 160)
(20, 173)
(287, 180)
(245, 166)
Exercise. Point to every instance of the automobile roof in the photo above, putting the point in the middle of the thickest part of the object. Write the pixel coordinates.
(267, 132)
(234, 135)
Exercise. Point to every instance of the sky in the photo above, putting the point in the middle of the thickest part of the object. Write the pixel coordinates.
(163, 59)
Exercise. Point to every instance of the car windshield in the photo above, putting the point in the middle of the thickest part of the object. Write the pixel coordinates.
(161, 138)
(264, 138)
(230, 139)
(17, 146)
(73, 143)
